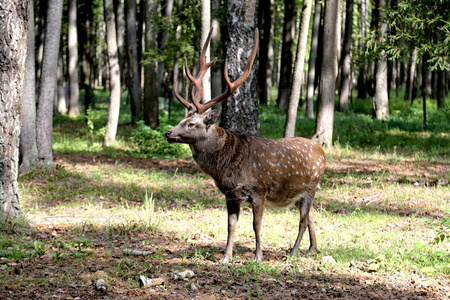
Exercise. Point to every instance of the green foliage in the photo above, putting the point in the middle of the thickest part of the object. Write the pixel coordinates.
(180, 44)
(443, 232)
(421, 25)
(152, 143)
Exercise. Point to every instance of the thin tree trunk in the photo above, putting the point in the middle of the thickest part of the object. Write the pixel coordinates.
(440, 89)
(47, 83)
(60, 106)
(286, 54)
(13, 53)
(133, 62)
(263, 74)
(298, 71)
(74, 95)
(119, 8)
(312, 60)
(381, 98)
(240, 111)
(151, 103)
(206, 26)
(28, 147)
(344, 90)
(114, 106)
(325, 116)
(411, 75)
(164, 39)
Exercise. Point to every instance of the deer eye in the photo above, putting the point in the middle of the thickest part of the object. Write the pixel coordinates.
(191, 125)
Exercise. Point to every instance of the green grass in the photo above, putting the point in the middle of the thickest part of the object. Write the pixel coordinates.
(383, 208)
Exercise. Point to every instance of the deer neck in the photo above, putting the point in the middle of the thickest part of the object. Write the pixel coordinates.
(220, 153)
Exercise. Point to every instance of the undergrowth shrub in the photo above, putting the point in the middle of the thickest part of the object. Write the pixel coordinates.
(152, 143)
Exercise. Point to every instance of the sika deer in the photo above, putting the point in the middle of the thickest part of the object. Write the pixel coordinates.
(268, 172)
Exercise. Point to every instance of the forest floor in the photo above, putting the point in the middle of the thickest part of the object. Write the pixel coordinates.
(85, 216)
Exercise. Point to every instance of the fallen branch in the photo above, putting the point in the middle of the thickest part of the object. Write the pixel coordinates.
(136, 252)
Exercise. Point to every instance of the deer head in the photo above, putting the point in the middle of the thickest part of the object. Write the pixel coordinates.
(199, 119)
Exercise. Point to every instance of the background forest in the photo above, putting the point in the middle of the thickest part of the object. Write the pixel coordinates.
(103, 196)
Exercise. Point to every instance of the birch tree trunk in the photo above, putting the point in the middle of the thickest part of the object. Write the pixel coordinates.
(47, 83)
(13, 51)
(294, 97)
(74, 89)
(206, 26)
(240, 111)
(312, 60)
(325, 116)
(381, 98)
(114, 102)
(28, 148)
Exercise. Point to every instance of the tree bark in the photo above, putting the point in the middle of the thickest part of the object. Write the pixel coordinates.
(74, 89)
(114, 106)
(325, 116)
(264, 72)
(344, 90)
(206, 26)
(381, 98)
(286, 54)
(133, 62)
(47, 83)
(151, 104)
(240, 111)
(13, 52)
(28, 148)
(312, 60)
(294, 98)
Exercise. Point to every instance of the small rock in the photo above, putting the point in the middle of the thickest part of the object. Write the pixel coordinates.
(183, 275)
(100, 285)
(328, 260)
(194, 288)
(144, 281)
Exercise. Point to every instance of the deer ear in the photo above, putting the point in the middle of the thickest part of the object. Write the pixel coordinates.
(211, 117)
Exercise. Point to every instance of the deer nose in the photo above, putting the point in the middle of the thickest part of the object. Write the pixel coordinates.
(168, 133)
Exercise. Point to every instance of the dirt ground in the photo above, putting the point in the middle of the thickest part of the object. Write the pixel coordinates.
(45, 277)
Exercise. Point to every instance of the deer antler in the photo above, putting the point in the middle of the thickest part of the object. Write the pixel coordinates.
(197, 93)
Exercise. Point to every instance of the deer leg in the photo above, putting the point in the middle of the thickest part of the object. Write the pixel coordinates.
(304, 206)
(233, 208)
(258, 209)
(312, 234)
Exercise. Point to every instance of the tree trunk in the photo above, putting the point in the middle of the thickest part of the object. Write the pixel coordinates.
(47, 83)
(133, 62)
(440, 89)
(163, 40)
(28, 147)
(286, 54)
(119, 10)
(151, 104)
(409, 95)
(381, 98)
(294, 98)
(240, 111)
(74, 95)
(325, 116)
(206, 26)
(60, 106)
(114, 106)
(263, 72)
(312, 60)
(13, 52)
(344, 90)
